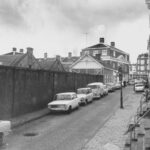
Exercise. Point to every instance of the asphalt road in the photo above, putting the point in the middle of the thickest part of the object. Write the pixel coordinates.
(61, 131)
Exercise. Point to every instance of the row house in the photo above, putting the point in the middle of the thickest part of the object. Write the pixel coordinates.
(111, 57)
(142, 65)
(20, 59)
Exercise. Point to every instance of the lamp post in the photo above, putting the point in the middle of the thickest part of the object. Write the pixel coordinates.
(148, 47)
(120, 79)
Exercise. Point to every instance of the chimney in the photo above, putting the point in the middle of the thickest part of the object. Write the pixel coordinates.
(69, 55)
(58, 57)
(30, 50)
(14, 49)
(102, 40)
(112, 44)
(21, 50)
(45, 55)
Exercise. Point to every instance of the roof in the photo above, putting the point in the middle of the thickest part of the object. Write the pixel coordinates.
(51, 64)
(78, 60)
(10, 60)
(102, 45)
(98, 46)
(66, 66)
(96, 83)
(84, 88)
(143, 54)
(71, 59)
(65, 93)
(12, 53)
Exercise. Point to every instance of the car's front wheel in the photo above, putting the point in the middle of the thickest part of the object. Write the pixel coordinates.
(69, 110)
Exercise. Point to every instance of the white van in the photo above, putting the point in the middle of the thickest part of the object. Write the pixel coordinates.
(97, 89)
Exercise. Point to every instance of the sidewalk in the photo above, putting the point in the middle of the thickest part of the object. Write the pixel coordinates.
(18, 121)
(112, 134)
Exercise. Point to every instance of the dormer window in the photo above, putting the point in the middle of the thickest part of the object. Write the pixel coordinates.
(95, 52)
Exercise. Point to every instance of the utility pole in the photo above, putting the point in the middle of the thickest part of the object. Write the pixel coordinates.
(120, 79)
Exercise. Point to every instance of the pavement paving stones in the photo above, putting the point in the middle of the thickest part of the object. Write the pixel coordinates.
(113, 131)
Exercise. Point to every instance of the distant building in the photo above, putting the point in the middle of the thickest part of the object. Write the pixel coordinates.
(110, 56)
(68, 61)
(132, 71)
(92, 65)
(142, 65)
(51, 64)
(20, 59)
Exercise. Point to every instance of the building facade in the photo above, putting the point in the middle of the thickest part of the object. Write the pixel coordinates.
(133, 71)
(142, 65)
(92, 65)
(110, 56)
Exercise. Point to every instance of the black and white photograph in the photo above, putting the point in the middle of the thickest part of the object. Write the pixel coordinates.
(74, 74)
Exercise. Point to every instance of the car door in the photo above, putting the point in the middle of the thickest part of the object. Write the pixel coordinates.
(75, 100)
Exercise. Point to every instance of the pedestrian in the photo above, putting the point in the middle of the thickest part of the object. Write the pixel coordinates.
(124, 83)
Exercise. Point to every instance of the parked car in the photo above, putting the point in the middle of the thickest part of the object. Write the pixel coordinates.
(64, 102)
(117, 85)
(110, 87)
(5, 129)
(131, 82)
(85, 95)
(139, 87)
(105, 89)
(97, 89)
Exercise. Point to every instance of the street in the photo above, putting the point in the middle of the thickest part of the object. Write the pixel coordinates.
(60, 131)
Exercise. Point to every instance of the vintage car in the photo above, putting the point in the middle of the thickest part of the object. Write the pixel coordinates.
(85, 95)
(139, 87)
(105, 90)
(111, 87)
(97, 89)
(5, 128)
(64, 102)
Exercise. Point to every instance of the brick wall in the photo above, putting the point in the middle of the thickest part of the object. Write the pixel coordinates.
(25, 90)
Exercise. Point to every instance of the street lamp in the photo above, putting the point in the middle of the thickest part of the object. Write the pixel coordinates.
(148, 47)
(120, 79)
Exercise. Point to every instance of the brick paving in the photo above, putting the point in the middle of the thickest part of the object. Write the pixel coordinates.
(114, 129)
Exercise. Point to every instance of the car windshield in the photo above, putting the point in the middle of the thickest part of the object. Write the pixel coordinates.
(62, 97)
(138, 85)
(92, 86)
(82, 91)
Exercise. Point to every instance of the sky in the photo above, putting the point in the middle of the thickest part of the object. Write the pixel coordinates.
(61, 26)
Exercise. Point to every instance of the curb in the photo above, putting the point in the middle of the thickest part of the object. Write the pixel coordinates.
(16, 122)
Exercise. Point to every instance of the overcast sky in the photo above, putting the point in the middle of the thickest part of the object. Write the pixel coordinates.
(59, 26)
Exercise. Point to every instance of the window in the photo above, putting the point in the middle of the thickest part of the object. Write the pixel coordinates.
(114, 65)
(86, 52)
(104, 52)
(126, 57)
(142, 62)
(95, 52)
(114, 53)
(138, 61)
(142, 68)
